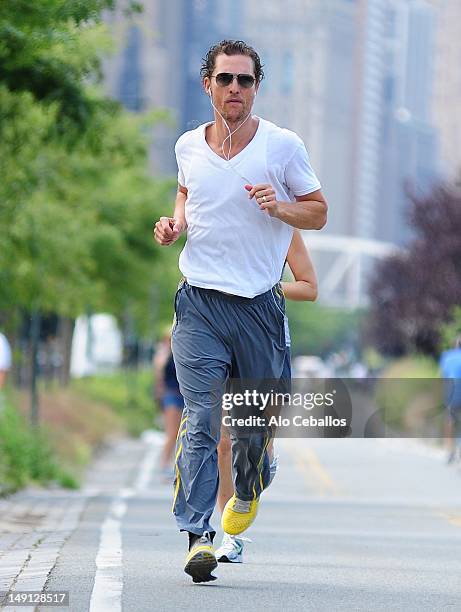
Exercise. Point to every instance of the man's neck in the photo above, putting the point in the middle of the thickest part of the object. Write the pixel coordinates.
(243, 134)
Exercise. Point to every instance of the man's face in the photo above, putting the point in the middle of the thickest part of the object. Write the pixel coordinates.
(233, 101)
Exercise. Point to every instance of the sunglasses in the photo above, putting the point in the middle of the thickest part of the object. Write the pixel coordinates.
(223, 79)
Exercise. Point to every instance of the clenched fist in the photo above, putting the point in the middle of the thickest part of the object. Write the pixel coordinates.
(167, 230)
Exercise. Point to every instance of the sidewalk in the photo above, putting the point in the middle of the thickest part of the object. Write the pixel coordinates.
(35, 523)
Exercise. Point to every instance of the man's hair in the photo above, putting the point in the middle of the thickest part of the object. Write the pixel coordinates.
(230, 47)
(458, 341)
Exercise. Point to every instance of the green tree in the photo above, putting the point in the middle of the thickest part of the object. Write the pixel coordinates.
(450, 330)
(77, 202)
(320, 330)
(413, 293)
(50, 48)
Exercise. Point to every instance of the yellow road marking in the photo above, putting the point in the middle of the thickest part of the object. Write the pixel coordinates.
(315, 474)
(321, 472)
(453, 519)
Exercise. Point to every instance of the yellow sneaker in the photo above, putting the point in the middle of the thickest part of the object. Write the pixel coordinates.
(238, 515)
(201, 560)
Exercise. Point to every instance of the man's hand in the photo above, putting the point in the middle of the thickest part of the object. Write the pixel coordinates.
(167, 230)
(265, 197)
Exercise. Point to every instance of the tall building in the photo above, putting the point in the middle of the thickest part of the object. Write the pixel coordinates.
(334, 97)
(408, 139)
(287, 36)
(202, 31)
(377, 132)
(146, 70)
(447, 84)
(377, 136)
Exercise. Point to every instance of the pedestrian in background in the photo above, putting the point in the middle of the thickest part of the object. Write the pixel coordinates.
(5, 365)
(170, 401)
(450, 369)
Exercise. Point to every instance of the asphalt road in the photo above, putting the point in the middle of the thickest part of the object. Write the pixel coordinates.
(347, 525)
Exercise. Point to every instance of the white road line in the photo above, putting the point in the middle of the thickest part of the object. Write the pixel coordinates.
(146, 468)
(108, 583)
(154, 440)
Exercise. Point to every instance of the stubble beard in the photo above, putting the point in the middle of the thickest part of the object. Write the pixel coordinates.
(234, 120)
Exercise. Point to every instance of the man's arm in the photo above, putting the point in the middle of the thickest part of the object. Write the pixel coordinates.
(168, 229)
(309, 211)
(180, 206)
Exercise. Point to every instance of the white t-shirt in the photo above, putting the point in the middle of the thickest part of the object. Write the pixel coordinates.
(5, 354)
(232, 245)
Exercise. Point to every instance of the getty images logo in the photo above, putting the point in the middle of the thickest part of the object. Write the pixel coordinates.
(261, 401)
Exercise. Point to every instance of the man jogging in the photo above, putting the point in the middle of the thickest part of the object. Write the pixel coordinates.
(244, 184)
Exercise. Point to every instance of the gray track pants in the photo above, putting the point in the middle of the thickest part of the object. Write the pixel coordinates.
(217, 337)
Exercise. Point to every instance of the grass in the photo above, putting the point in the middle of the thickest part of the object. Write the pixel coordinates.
(74, 422)
(26, 455)
(128, 393)
(409, 395)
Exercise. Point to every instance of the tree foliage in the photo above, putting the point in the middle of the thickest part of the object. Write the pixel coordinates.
(413, 293)
(43, 51)
(321, 330)
(76, 200)
(450, 330)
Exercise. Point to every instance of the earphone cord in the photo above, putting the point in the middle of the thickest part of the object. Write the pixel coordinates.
(229, 136)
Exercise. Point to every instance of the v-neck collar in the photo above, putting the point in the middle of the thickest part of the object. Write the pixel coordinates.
(241, 153)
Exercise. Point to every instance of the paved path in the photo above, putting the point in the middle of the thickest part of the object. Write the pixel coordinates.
(347, 525)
